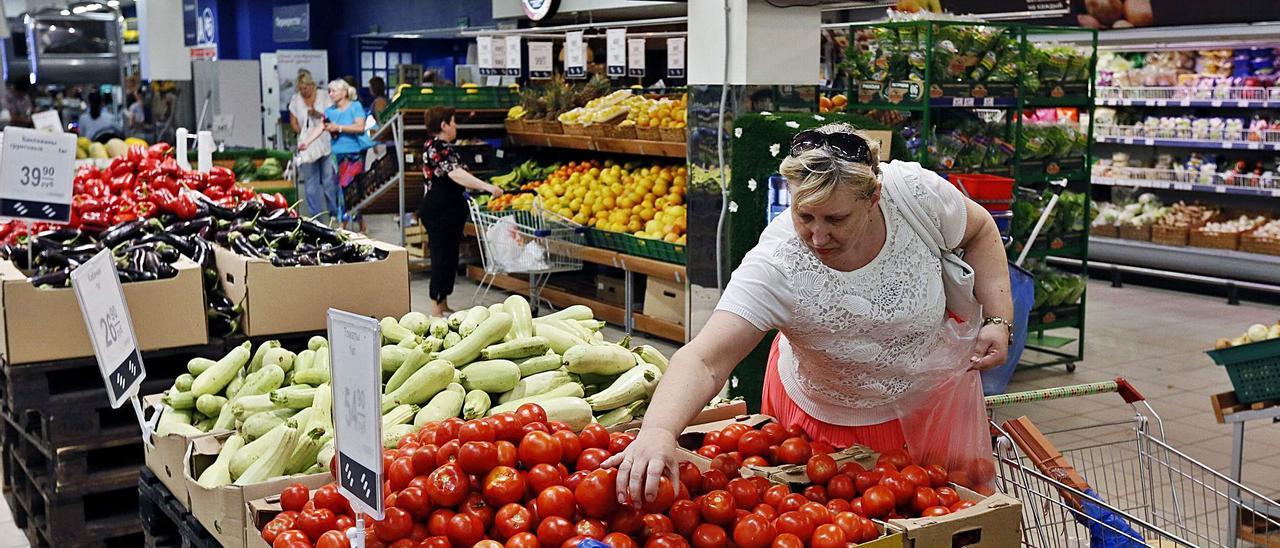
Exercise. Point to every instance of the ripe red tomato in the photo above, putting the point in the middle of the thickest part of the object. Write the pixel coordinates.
(667, 540)
(328, 497)
(512, 519)
(817, 513)
(618, 540)
(394, 525)
(787, 540)
(575, 478)
(713, 480)
(539, 447)
(506, 453)
(276, 526)
(827, 536)
(865, 479)
(816, 493)
(594, 435)
(903, 488)
(486, 544)
(774, 494)
(841, 487)
(709, 451)
(522, 540)
(961, 506)
(438, 523)
(590, 458)
(792, 502)
(850, 523)
(542, 476)
(884, 468)
(294, 497)
(685, 516)
(935, 511)
(744, 493)
(292, 538)
(753, 443)
(947, 496)
(878, 501)
(618, 442)
(448, 485)
(924, 498)
(464, 529)
(718, 507)
(414, 501)
(556, 500)
(506, 427)
(596, 495)
(476, 430)
(794, 451)
(709, 536)
(821, 468)
(570, 445)
(897, 457)
(503, 485)
(755, 461)
(477, 457)
(769, 512)
(711, 438)
(534, 427)
(796, 523)
(400, 473)
(661, 501)
(753, 531)
(731, 435)
(690, 476)
(937, 475)
(627, 520)
(776, 432)
(531, 412)
(448, 452)
(729, 463)
(424, 459)
(917, 475)
(838, 505)
(451, 426)
(333, 539)
(554, 531)
(590, 528)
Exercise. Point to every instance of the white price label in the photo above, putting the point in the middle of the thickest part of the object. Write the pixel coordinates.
(356, 373)
(1128, 140)
(106, 315)
(957, 101)
(1220, 189)
(36, 172)
(513, 56)
(484, 54)
(1216, 103)
(1242, 104)
(500, 154)
(575, 55)
(1228, 145)
(635, 57)
(675, 57)
(499, 59)
(616, 52)
(1162, 103)
(479, 158)
(986, 102)
(1148, 142)
(1185, 102)
(47, 120)
(541, 65)
(1254, 145)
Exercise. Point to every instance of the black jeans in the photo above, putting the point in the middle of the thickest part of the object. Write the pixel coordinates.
(443, 216)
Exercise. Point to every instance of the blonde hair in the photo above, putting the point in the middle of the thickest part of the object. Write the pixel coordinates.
(304, 79)
(342, 85)
(815, 174)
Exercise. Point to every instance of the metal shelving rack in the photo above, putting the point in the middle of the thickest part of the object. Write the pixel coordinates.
(931, 96)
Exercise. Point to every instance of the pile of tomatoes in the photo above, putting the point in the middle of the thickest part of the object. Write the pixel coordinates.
(770, 445)
(520, 481)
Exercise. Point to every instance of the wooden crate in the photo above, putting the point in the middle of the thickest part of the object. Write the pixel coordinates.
(1170, 235)
(547, 126)
(615, 131)
(78, 469)
(648, 134)
(1109, 231)
(164, 516)
(1215, 240)
(674, 134)
(1254, 244)
(516, 126)
(1129, 231)
(107, 518)
(573, 129)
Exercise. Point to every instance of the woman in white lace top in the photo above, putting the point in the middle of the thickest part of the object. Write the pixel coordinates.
(856, 293)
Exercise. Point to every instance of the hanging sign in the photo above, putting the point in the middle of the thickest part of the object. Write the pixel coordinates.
(499, 66)
(541, 65)
(47, 120)
(356, 373)
(513, 56)
(36, 173)
(617, 52)
(484, 54)
(635, 57)
(575, 55)
(106, 315)
(538, 10)
(675, 57)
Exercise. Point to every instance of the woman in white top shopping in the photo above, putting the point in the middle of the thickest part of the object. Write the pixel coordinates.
(316, 173)
(858, 297)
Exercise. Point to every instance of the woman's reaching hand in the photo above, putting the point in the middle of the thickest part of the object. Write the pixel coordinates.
(991, 348)
(642, 464)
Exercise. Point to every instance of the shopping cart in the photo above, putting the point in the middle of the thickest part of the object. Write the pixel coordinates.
(537, 243)
(1143, 491)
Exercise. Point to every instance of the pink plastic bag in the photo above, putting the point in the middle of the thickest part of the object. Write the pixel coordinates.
(944, 418)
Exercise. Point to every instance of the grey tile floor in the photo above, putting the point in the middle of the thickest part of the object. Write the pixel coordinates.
(1154, 338)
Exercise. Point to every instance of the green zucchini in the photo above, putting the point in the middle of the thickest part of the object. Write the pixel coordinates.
(450, 339)
(496, 376)
(445, 405)
(256, 362)
(259, 424)
(517, 348)
(262, 381)
(539, 364)
(476, 404)
(439, 328)
(318, 373)
(601, 359)
(219, 473)
(317, 342)
(179, 400)
(210, 404)
(216, 377)
(416, 322)
(572, 389)
(280, 357)
(197, 366)
(183, 382)
(539, 383)
(521, 316)
(393, 331)
(473, 319)
(392, 356)
(273, 462)
(491, 330)
(424, 383)
(414, 360)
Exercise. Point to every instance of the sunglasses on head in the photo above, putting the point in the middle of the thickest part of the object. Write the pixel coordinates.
(846, 146)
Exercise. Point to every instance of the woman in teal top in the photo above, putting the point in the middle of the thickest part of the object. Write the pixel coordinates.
(345, 120)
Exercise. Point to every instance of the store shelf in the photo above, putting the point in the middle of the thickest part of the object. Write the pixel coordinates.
(1070, 245)
(1056, 317)
(1119, 135)
(663, 149)
(1079, 101)
(973, 102)
(1177, 97)
(1188, 187)
(1234, 265)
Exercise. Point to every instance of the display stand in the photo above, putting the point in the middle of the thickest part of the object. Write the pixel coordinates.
(1228, 411)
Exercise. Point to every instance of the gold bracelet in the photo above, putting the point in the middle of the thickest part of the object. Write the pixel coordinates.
(997, 320)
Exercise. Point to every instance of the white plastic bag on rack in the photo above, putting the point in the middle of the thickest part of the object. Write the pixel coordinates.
(943, 417)
(512, 252)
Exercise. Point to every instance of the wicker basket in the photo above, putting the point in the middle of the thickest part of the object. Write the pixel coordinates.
(1129, 231)
(550, 126)
(1170, 235)
(1215, 240)
(1109, 231)
(515, 126)
(615, 131)
(574, 129)
(648, 134)
(1254, 244)
(674, 134)
(596, 130)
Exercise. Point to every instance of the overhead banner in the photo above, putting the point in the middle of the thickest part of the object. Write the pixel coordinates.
(291, 23)
(617, 52)
(541, 64)
(200, 22)
(1120, 14)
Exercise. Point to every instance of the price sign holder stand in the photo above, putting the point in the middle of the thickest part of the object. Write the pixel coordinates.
(106, 315)
(355, 348)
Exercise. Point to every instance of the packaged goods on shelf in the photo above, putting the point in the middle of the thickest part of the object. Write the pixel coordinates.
(1246, 73)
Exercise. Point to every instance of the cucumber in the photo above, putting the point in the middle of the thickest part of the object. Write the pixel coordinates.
(445, 405)
(424, 383)
(601, 359)
(219, 473)
(280, 357)
(210, 404)
(183, 382)
(197, 366)
(317, 342)
(217, 376)
(473, 319)
(475, 404)
(517, 348)
(491, 330)
(416, 322)
(392, 356)
(539, 364)
(495, 376)
(572, 389)
(256, 363)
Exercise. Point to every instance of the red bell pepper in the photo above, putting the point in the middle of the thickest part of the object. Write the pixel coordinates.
(166, 182)
(124, 216)
(229, 201)
(96, 188)
(141, 192)
(120, 166)
(195, 180)
(184, 207)
(170, 167)
(123, 183)
(136, 153)
(95, 221)
(214, 193)
(159, 151)
(85, 202)
(245, 193)
(274, 201)
(222, 177)
(145, 210)
(148, 164)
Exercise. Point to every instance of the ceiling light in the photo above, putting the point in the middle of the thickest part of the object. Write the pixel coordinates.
(113, 3)
(64, 12)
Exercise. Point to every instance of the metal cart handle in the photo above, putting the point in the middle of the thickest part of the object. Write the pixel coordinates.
(1120, 385)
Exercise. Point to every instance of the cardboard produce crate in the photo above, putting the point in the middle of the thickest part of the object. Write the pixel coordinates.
(691, 439)
(166, 455)
(993, 522)
(46, 324)
(723, 411)
(666, 300)
(222, 510)
(293, 299)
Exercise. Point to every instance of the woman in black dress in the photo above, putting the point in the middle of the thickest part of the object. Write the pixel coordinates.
(444, 207)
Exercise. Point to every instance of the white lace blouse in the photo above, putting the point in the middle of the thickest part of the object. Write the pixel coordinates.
(849, 337)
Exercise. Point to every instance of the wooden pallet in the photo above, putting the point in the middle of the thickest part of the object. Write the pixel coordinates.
(164, 516)
(77, 469)
(1226, 403)
(101, 519)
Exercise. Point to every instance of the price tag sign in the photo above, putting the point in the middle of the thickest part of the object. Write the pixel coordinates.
(106, 315)
(513, 56)
(484, 54)
(635, 57)
(575, 55)
(357, 408)
(36, 171)
(499, 59)
(47, 120)
(617, 52)
(541, 66)
(675, 57)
